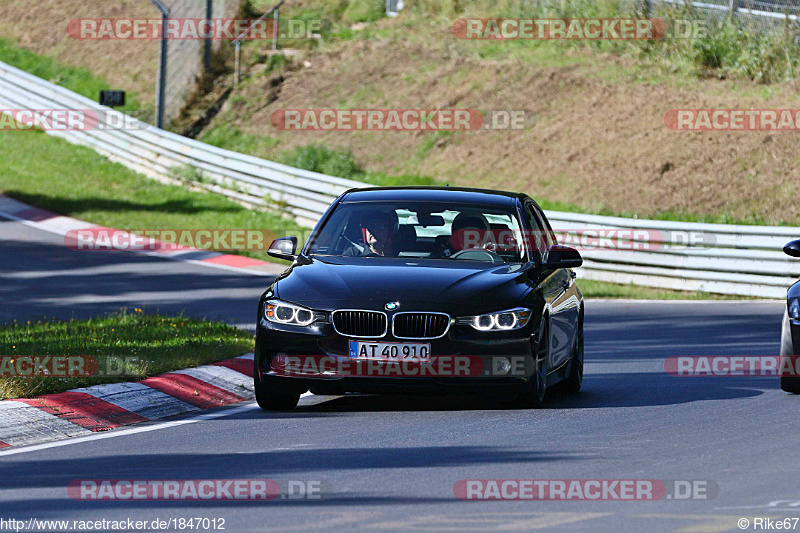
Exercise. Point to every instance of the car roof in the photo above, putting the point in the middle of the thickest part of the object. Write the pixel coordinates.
(434, 194)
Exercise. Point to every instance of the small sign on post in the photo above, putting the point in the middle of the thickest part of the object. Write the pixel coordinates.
(112, 98)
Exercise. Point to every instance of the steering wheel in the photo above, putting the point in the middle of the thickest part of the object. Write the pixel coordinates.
(477, 255)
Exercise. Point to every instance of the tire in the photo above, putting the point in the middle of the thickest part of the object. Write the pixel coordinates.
(788, 383)
(269, 399)
(574, 380)
(535, 390)
(791, 385)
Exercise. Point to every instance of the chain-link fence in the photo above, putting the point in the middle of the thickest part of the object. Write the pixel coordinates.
(757, 15)
(185, 57)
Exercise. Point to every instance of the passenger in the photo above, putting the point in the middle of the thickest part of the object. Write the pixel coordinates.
(379, 233)
(466, 228)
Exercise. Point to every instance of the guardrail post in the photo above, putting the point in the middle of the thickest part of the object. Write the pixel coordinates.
(275, 30)
(207, 50)
(161, 90)
(236, 66)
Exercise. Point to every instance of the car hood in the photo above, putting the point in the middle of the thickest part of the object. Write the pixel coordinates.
(330, 283)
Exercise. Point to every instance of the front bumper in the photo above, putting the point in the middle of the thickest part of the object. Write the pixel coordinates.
(790, 336)
(482, 351)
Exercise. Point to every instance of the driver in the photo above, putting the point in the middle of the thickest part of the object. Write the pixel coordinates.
(378, 232)
(465, 228)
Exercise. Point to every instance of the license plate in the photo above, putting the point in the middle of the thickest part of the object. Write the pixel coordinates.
(390, 351)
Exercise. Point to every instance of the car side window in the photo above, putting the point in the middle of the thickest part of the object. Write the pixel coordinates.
(551, 234)
(540, 239)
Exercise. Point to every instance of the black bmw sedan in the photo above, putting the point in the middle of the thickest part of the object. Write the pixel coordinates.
(415, 290)
(790, 332)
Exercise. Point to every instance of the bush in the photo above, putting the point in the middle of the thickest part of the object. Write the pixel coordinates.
(337, 163)
(769, 58)
(230, 138)
(719, 48)
(320, 159)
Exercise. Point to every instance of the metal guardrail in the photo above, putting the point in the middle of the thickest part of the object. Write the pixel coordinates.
(727, 259)
(718, 258)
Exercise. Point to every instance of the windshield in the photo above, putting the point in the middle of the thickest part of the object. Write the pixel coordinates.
(424, 230)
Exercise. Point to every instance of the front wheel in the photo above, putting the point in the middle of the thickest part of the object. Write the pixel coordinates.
(534, 392)
(791, 385)
(788, 359)
(270, 399)
(574, 380)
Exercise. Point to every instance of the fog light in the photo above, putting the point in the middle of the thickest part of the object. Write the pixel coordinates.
(794, 309)
(278, 362)
(502, 365)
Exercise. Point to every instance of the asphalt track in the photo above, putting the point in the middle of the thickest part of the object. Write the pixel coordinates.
(390, 463)
(41, 277)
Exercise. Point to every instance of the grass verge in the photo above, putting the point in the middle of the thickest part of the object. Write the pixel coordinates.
(77, 182)
(126, 347)
(602, 289)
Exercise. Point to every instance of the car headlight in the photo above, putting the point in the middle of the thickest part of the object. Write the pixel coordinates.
(794, 309)
(289, 314)
(500, 321)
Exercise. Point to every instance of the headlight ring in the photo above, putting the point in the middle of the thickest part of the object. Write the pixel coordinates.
(507, 320)
(280, 312)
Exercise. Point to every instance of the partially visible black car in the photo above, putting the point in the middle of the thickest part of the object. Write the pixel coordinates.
(397, 287)
(790, 335)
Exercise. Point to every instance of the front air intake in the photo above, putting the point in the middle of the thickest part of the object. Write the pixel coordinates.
(420, 325)
(357, 323)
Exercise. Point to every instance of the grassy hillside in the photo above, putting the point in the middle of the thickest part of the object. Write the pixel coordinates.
(599, 142)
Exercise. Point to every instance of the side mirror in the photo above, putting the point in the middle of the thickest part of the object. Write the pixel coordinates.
(284, 248)
(563, 257)
(792, 248)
